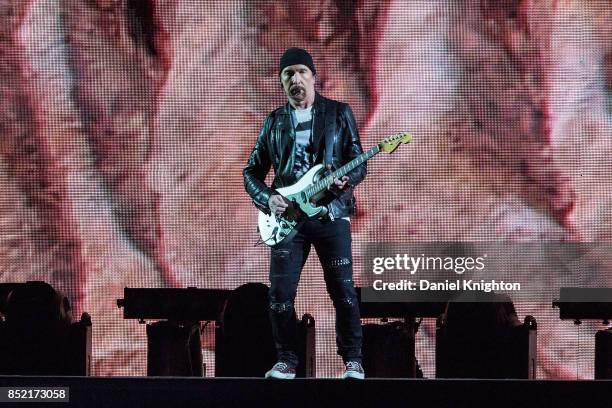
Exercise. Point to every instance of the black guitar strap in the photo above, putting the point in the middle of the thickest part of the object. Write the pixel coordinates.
(330, 131)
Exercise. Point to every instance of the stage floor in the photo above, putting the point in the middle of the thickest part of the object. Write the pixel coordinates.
(135, 392)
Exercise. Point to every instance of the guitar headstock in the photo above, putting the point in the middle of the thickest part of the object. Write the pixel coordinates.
(392, 142)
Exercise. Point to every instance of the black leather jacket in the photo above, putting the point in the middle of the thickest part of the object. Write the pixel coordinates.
(333, 126)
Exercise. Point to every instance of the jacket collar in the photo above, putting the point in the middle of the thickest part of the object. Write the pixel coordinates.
(319, 103)
(318, 128)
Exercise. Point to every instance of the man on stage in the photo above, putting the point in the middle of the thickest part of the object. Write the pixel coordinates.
(309, 130)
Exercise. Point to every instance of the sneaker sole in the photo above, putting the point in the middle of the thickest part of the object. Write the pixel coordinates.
(353, 376)
(279, 376)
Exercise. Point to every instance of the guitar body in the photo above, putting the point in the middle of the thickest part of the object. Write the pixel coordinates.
(275, 229)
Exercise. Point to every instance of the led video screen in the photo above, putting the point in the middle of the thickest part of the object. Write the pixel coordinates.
(125, 126)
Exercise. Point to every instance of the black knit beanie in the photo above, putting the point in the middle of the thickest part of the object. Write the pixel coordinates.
(293, 56)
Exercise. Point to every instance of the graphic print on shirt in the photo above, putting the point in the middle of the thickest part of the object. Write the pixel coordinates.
(303, 144)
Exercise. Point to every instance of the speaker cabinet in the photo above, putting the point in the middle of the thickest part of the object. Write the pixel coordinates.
(388, 350)
(174, 349)
(603, 354)
(477, 351)
(244, 346)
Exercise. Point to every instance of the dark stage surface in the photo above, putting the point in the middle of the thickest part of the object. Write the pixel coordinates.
(248, 392)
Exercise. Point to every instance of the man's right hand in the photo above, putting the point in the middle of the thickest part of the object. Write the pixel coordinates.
(277, 204)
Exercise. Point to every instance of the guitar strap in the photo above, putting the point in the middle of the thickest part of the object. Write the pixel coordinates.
(330, 131)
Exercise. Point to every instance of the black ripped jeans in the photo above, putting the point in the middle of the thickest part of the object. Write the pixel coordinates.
(332, 241)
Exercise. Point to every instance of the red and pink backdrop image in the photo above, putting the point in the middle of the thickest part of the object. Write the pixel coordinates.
(125, 125)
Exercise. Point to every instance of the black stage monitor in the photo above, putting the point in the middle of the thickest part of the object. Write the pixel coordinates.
(190, 304)
(585, 303)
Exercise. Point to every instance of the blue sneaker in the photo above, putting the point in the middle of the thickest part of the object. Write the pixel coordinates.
(353, 370)
(281, 371)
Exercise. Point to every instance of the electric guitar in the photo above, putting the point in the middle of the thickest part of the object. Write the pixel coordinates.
(311, 187)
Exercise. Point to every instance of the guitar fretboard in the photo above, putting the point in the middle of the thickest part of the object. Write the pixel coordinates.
(342, 171)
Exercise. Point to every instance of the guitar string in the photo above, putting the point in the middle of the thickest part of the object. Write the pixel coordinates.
(321, 185)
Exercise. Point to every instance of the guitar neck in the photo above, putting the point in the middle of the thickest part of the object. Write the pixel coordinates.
(342, 171)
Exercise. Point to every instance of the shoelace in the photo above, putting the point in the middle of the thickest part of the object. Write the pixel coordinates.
(353, 365)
